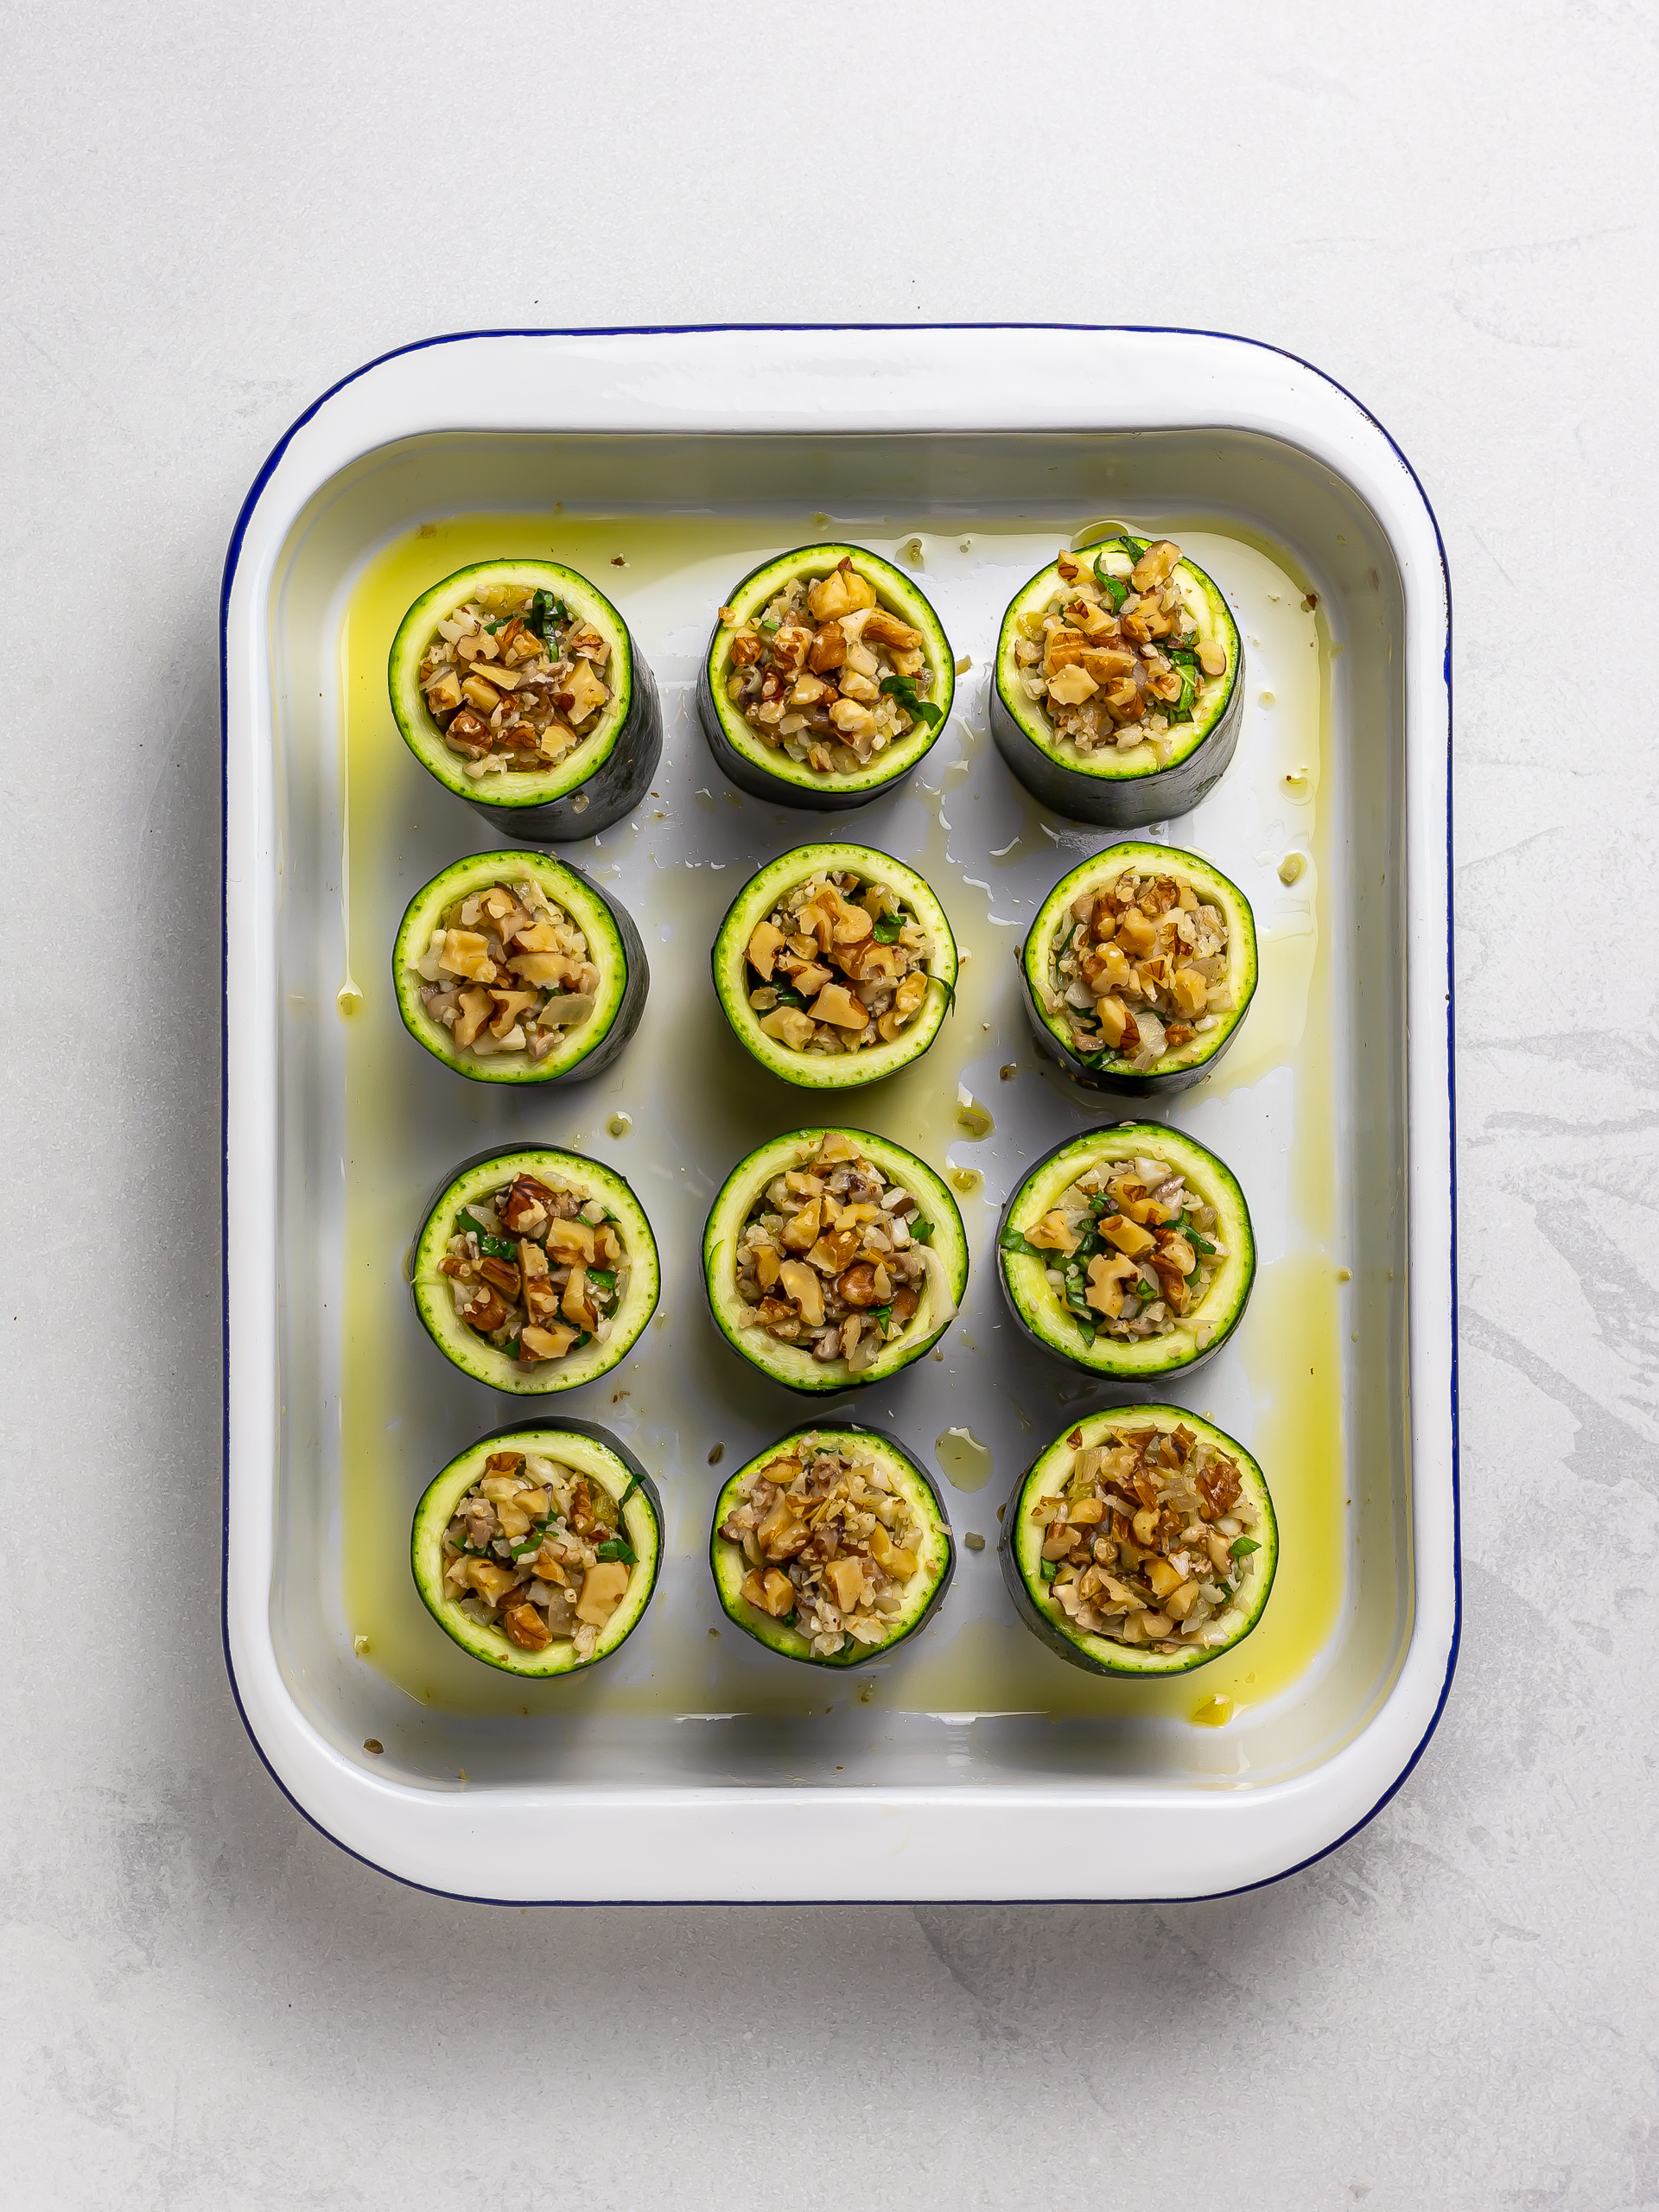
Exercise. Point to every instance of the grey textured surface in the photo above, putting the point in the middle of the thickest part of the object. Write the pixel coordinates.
(208, 218)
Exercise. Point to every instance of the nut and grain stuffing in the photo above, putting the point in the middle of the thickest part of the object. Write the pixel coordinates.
(515, 679)
(538, 1553)
(506, 971)
(1138, 969)
(1147, 1538)
(1117, 656)
(832, 1545)
(841, 963)
(826, 674)
(536, 1269)
(1129, 1249)
(838, 1259)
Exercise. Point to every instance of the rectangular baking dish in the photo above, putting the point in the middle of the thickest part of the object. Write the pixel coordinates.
(978, 1767)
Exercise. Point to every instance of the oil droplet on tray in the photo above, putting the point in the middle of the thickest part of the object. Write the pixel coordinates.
(619, 1124)
(1296, 783)
(1214, 1712)
(1291, 868)
(966, 1462)
(966, 1179)
(972, 1115)
(349, 999)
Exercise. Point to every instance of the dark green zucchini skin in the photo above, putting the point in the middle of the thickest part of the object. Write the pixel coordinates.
(1102, 1080)
(630, 1013)
(615, 789)
(1038, 1623)
(1119, 1086)
(1128, 803)
(747, 777)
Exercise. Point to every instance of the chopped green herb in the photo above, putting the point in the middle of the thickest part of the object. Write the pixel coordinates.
(771, 623)
(617, 1548)
(1011, 1240)
(887, 928)
(1116, 588)
(921, 1229)
(546, 612)
(604, 1277)
(493, 1247)
(920, 710)
(1242, 1546)
(1051, 1568)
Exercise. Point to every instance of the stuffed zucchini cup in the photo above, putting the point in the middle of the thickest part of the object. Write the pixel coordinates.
(831, 1547)
(535, 1270)
(1119, 684)
(827, 678)
(834, 966)
(536, 1549)
(513, 968)
(1142, 1542)
(1139, 968)
(517, 684)
(833, 1258)
(1127, 1253)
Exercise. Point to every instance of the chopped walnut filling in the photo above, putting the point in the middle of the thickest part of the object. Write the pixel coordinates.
(506, 971)
(538, 1553)
(828, 675)
(841, 964)
(1146, 1539)
(1138, 969)
(514, 679)
(537, 1268)
(832, 1545)
(1118, 656)
(834, 1257)
(1128, 1249)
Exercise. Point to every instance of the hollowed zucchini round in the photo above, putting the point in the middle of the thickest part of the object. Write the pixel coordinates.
(1120, 788)
(476, 1355)
(790, 1364)
(768, 773)
(1108, 1070)
(764, 891)
(1044, 1312)
(1025, 1525)
(613, 945)
(589, 1451)
(601, 778)
(935, 1564)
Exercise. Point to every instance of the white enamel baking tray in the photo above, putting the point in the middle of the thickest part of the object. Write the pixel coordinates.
(979, 1767)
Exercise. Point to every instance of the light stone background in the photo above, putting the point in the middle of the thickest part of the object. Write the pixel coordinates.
(210, 214)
